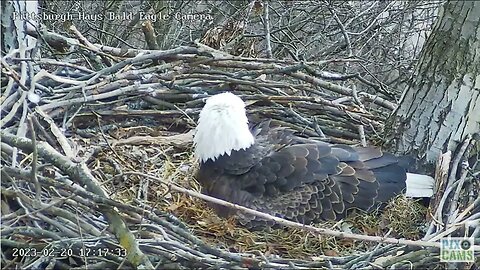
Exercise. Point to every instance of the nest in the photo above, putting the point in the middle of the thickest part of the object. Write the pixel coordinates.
(103, 177)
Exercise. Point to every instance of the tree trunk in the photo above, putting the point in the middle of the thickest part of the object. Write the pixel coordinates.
(17, 16)
(441, 104)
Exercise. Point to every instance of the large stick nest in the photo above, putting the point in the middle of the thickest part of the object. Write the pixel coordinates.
(90, 173)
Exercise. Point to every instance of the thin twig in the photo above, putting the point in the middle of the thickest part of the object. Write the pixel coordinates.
(281, 221)
(34, 170)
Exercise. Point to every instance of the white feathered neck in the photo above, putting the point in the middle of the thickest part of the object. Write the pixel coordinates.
(222, 127)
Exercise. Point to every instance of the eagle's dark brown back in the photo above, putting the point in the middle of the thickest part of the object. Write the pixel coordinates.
(299, 179)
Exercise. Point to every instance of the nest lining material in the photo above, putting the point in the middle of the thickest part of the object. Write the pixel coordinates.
(87, 184)
(174, 163)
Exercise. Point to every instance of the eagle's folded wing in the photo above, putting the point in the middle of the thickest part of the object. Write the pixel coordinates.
(300, 179)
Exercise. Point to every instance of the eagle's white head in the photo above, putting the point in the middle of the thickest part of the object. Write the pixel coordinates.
(222, 127)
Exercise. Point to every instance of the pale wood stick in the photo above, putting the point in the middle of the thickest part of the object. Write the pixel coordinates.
(281, 221)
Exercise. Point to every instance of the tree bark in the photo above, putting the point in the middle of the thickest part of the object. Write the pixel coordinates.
(441, 104)
(17, 16)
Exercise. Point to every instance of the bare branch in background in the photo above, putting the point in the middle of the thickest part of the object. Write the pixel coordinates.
(112, 105)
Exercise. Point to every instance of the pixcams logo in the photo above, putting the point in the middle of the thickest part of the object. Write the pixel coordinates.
(456, 249)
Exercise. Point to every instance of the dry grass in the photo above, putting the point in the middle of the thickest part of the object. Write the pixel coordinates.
(403, 216)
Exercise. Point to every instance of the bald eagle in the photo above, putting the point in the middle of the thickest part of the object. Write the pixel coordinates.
(272, 170)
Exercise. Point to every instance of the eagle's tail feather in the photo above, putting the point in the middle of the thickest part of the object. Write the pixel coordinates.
(419, 186)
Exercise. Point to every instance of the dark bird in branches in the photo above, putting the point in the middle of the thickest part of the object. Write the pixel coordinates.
(272, 170)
